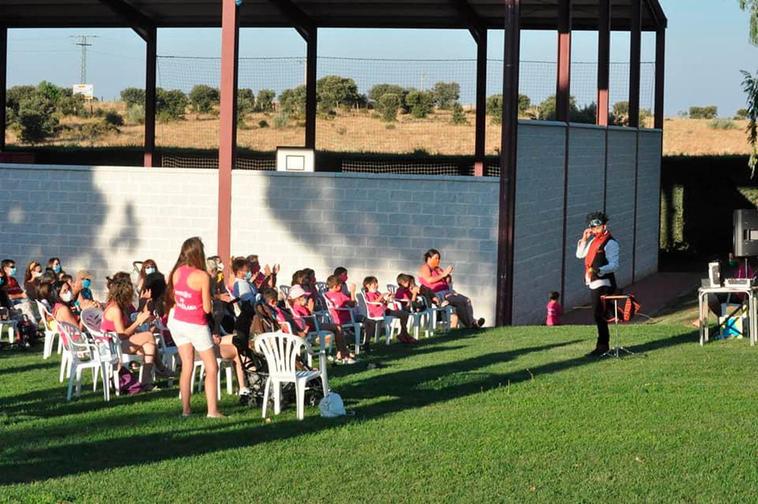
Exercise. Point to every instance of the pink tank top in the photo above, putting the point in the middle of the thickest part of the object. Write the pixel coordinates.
(439, 285)
(108, 325)
(188, 302)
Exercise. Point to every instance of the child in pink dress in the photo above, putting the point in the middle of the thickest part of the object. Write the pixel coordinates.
(554, 309)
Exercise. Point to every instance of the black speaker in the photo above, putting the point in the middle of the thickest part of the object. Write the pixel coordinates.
(745, 233)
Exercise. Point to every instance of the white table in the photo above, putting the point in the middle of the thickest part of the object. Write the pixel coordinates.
(751, 293)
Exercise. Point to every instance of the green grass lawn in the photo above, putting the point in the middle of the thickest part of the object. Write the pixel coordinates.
(509, 414)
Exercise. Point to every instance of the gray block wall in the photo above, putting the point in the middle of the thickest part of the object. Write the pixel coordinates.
(539, 219)
(648, 202)
(586, 181)
(622, 156)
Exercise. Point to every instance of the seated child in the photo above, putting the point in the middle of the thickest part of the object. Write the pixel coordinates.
(12, 288)
(340, 313)
(410, 294)
(554, 309)
(378, 307)
(243, 289)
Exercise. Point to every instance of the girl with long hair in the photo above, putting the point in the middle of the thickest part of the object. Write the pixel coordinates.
(188, 297)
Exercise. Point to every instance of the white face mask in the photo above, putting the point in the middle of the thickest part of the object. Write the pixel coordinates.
(36, 274)
(220, 267)
(66, 297)
(149, 271)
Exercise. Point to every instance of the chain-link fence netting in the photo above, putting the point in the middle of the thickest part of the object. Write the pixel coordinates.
(377, 105)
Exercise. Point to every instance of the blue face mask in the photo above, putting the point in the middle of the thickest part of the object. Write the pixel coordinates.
(2, 279)
(248, 275)
(86, 283)
(149, 271)
(13, 271)
(57, 268)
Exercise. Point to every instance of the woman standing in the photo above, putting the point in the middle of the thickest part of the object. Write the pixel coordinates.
(188, 297)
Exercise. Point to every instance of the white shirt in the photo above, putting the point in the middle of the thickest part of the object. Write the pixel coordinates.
(244, 291)
(611, 255)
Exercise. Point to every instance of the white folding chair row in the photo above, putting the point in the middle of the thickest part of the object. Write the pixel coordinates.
(353, 324)
(281, 352)
(199, 371)
(91, 319)
(388, 322)
(51, 332)
(86, 354)
(319, 334)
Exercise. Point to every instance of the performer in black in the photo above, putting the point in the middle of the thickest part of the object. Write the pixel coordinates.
(600, 252)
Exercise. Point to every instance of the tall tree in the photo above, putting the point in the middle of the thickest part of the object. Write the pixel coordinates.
(751, 6)
(750, 86)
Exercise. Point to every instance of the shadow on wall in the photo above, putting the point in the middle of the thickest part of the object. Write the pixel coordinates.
(50, 211)
(375, 225)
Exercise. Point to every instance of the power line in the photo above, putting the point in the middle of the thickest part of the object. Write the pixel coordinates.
(83, 42)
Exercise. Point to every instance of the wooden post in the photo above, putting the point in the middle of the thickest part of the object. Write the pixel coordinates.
(508, 158)
(3, 82)
(151, 57)
(228, 127)
(481, 103)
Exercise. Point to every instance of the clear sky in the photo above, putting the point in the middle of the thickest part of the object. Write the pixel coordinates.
(707, 45)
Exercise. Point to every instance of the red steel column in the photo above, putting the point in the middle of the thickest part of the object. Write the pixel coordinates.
(508, 159)
(563, 84)
(310, 89)
(660, 71)
(603, 62)
(481, 104)
(634, 63)
(151, 57)
(227, 146)
(3, 82)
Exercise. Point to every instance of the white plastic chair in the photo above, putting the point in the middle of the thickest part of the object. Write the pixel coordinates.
(51, 332)
(281, 351)
(355, 325)
(387, 322)
(285, 290)
(319, 334)
(85, 354)
(199, 370)
(11, 325)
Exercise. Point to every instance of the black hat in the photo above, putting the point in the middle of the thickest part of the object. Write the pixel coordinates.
(597, 218)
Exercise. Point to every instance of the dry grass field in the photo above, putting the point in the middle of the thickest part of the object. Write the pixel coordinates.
(363, 132)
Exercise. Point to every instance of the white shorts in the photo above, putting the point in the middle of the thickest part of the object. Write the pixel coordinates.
(183, 333)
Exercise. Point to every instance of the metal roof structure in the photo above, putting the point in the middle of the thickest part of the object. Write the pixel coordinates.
(487, 14)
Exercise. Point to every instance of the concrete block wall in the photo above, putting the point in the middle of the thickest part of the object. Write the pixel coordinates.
(622, 157)
(377, 225)
(103, 218)
(586, 185)
(648, 202)
(539, 219)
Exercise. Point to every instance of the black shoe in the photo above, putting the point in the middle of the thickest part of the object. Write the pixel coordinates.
(598, 351)
(480, 322)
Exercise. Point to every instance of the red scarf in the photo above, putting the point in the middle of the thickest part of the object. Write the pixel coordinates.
(595, 245)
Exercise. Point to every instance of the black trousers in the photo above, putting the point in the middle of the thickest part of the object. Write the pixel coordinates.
(463, 309)
(600, 313)
(369, 326)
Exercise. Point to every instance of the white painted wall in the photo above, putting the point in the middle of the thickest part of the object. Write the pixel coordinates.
(103, 218)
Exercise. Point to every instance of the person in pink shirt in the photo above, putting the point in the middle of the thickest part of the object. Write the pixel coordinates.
(378, 306)
(338, 299)
(554, 309)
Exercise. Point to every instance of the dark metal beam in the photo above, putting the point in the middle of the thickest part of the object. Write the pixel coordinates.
(299, 20)
(135, 18)
(227, 147)
(603, 62)
(310, 89)
(471, 19)
(3, 82)
(481, 104)
(635, 46)
(660, 71)
(563, 80)
(151, 58)
(508, 160)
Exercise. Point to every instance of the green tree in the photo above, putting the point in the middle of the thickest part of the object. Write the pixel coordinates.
(245, 101)
(741, 114)
(750, 86)
(170, 104)
(292, 101)
(752, 7)
(70, 104)
(458, 116)
(495, 106)
(376, 92)
(265, 100)
(420, 103)
(585, 115)
(50, 91)
(133, 96)
(707, 112)
(203, 98)
(389, 103)
(334, 91)
(14, 96)
(36, 119)
(548, 108)
(446, 94)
